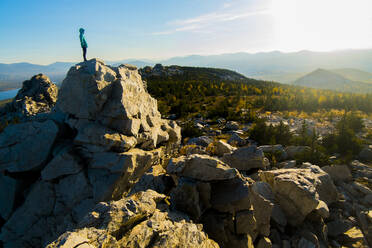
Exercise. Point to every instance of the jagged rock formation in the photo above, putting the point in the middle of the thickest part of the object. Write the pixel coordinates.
(95, 172)
(141, 220)
(298, 207)
(88, 149)
(113, 98)
(37, 95)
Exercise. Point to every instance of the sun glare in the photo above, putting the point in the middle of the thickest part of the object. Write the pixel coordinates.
(322, 24)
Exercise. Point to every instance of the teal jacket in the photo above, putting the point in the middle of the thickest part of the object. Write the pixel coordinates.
(83, 42)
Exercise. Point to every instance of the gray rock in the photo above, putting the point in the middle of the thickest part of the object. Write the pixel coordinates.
(63, 164)
(246, 223)
(115, 96)
(232, 125)
(246, 158)
(185, 198)
(361, 188)
(154, 179)
(136, 222)
(37, 95)
(231, 195)
(113, 174)
(287, 164)
(265, 207)
(361, 170)
(9, 189)
(338, 172)
(200, 141)
(38, 205)
(236, 140)
(221, 148)
(298, 191)
(26, 146)
(95, 134)
(72, 189)
(201, 167)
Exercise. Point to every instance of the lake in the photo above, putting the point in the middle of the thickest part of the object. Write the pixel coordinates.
(8, 94)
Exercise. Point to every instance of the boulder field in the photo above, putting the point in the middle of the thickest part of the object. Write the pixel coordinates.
(100, 168)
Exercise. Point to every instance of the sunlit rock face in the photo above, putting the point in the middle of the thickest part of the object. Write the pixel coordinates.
(92, 144)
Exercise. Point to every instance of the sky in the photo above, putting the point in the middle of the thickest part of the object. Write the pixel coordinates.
(45, 31)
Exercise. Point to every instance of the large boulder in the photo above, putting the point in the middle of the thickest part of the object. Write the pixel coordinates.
(231, 195)
(246, 158)
(91, 133)
(201, 167)
(37, 95)
(65, 163)
(135, 222)
(26, 146)
(299, 191)
(116, 98)
(113, 174)
(338, 172)
(105, 116)
(265, 207)
(27, 221)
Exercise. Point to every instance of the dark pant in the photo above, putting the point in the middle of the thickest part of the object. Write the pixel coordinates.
(85, 53)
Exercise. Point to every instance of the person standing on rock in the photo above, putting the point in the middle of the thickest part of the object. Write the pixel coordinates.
(83, 43)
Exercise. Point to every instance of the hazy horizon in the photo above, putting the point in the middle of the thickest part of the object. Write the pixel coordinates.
(43, 32)
(156, 60)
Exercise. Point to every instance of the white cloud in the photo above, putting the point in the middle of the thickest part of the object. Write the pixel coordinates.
(203, 22)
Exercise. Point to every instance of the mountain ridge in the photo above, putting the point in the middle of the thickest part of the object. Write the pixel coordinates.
(273, 65)
(326, 79)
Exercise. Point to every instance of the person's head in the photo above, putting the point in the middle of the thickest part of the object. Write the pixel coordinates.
(81, 30)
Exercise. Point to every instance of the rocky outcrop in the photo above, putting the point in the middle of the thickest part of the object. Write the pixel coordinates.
(246, 158)
(37, 95)
(299, 191)
(141, 220)
(108, 134)
(218, 196)
(201, 167)
(98, 171)
(26, 146)
(114, 97)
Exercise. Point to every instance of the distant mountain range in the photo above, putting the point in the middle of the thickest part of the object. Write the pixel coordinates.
(12, 75)
(324, 79)
(274, 66)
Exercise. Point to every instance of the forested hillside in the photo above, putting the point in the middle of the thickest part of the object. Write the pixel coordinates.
(201, 90)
